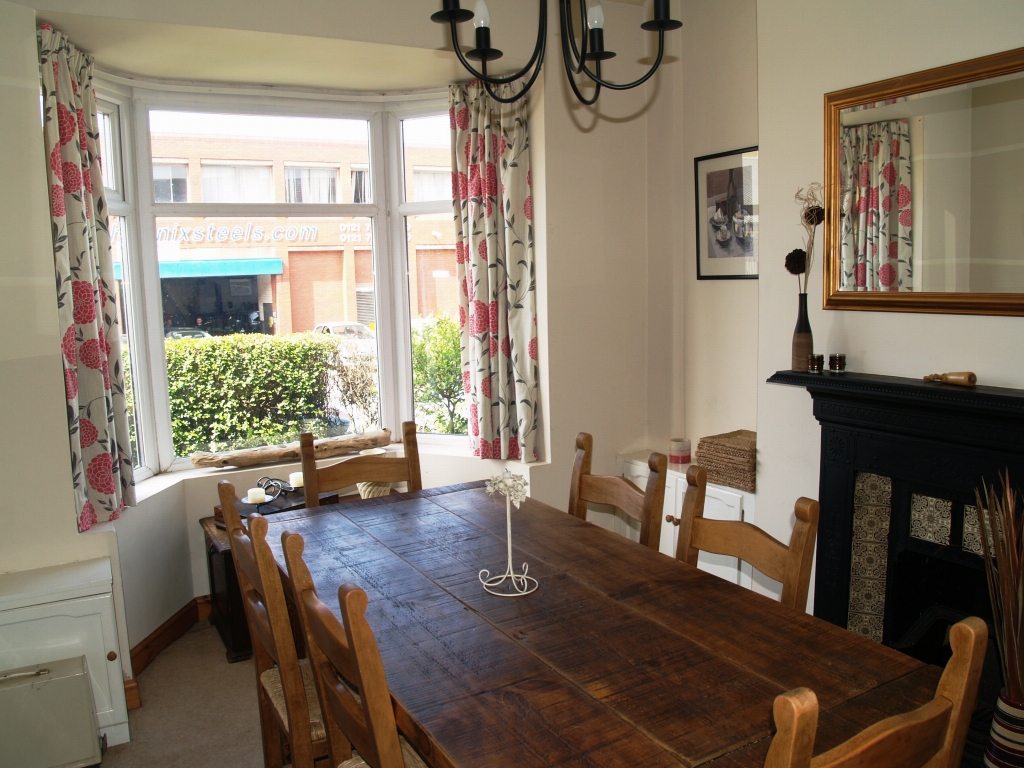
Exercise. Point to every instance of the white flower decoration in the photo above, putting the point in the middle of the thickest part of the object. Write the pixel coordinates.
(509, 485)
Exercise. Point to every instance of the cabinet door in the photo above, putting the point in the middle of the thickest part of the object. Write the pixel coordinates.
(80, 627)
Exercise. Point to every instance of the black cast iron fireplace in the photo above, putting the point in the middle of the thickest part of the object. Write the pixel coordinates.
(899, 546)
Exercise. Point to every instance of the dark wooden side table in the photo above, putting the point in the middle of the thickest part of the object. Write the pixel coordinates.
(226, 611)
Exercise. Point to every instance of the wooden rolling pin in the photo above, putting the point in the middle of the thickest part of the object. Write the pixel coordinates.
(960, 378)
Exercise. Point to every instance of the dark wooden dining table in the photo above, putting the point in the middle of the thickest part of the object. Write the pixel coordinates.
(623, 656)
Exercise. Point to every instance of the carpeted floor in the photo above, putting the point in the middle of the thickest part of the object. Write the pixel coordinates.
(197, 710)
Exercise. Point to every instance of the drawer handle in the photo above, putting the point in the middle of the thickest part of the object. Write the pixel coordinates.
(673, 520)
(112, 656)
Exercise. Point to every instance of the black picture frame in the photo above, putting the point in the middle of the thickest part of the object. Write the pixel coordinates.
(727, 202)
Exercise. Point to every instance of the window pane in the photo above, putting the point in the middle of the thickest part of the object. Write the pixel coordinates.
(270, 328)
(108, 160)
(428, 158)
(311, 185)
(436, 348)
(119, 251)
(243, 156)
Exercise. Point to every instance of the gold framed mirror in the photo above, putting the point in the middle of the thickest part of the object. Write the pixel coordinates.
(924, 191)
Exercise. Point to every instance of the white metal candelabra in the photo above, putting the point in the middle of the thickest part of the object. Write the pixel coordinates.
(509, 583)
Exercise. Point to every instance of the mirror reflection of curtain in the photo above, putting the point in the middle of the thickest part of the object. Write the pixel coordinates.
(876, 243)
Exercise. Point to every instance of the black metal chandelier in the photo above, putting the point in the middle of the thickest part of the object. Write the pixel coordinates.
(590, 49)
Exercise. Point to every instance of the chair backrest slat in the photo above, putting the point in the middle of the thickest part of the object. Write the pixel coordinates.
(931, 736)
(266, 611)
(360, 469)
(643, 505)
(346, 657)
(791, 565)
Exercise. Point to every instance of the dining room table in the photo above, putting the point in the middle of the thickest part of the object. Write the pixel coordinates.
(621, 657)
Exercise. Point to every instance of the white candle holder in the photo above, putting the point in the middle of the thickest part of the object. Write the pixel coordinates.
(509, 583)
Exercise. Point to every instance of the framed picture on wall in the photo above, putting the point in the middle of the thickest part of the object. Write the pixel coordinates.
(727, 215)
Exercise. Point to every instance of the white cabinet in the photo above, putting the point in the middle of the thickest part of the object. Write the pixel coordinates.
(62, 612)
(721, 503)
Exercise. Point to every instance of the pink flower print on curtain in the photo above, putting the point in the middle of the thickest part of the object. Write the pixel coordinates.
(496, 268)
(876, 238)
(101, 457)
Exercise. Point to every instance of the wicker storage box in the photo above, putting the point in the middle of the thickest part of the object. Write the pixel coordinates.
(729, 458)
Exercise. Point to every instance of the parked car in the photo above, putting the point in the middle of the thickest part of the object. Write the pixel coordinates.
(186, 333)
(354, 336)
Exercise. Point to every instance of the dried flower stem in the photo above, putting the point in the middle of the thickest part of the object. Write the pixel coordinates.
(1002, 541)
(811, 215)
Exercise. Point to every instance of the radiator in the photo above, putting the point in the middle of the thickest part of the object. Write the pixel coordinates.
(47, 717)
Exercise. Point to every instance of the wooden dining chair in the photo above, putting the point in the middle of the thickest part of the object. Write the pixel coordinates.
(643, 505)
(285, 688)
(932, 735)
(791, 565)
(360, 469)
(349, 671)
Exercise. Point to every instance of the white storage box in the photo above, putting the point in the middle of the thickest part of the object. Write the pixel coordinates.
(46, 716)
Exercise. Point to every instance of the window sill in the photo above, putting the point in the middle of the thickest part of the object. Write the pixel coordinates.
(181, 470)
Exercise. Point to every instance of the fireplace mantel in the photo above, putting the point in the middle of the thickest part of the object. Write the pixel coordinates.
(929, 438)
(985, 417)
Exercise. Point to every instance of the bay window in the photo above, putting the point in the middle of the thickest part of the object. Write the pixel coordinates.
(262, 297)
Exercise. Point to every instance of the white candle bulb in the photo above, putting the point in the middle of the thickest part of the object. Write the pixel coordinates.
(481, 14)
(595, 16)
(295, 480)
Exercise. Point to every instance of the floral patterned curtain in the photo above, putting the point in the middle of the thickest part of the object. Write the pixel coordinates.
(876, 245)
(491, 187)
(101, 456)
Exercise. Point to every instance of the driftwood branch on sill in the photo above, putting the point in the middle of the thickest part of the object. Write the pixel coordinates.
(323, 448)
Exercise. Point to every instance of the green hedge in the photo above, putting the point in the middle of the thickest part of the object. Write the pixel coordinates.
(249, 389)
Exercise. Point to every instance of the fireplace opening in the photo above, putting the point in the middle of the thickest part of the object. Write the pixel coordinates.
(916, 570)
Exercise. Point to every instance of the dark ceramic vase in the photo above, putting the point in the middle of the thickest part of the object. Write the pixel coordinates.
(803, 339)
(1006, 740)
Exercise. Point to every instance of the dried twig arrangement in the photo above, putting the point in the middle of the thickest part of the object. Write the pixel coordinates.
(1002, 541)
(811, 215)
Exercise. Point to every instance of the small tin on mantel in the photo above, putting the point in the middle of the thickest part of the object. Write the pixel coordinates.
(836, 363)
(815, 363)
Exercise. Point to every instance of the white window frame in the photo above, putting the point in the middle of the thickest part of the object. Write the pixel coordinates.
(177, 162)
(387, 213)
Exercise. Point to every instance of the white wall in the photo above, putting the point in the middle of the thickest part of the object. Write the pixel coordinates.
(806, 49)
(719, 327)
(37, 507)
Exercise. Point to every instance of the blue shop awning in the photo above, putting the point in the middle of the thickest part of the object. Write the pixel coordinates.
(214, 268)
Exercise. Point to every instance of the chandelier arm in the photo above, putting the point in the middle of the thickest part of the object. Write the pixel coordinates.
(529, 83)
(566, 57)
(537, 51)
(626, 86)
(565, 16)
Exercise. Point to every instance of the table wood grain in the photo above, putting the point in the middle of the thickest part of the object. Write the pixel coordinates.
(623, 656)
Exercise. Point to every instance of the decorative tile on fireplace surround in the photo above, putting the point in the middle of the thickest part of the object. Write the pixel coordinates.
(872, 508)
(930, 519)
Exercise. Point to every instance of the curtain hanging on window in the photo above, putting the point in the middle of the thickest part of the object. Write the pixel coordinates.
(876, 244)
(491, 187)
(101, 456)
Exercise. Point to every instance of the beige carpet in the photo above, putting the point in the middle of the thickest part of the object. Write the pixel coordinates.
(197, 710)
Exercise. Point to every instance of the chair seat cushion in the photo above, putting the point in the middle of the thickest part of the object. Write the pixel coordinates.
(409, 757)
(271, 681)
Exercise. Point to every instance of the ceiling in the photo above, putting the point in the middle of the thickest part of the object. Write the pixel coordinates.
(164, 51)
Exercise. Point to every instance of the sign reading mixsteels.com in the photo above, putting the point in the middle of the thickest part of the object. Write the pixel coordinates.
(257, 233)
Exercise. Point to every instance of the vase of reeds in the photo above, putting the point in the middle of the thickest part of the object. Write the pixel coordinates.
(798, 262)
(1002, 542)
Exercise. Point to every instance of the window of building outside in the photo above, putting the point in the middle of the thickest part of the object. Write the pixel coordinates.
(361, 184)
(261, 324)
(170, 183)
